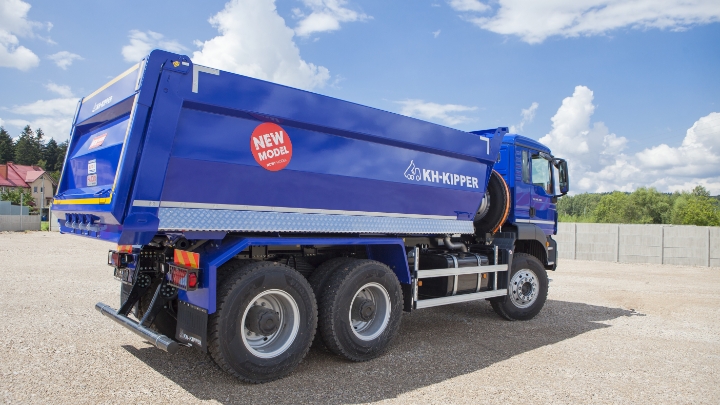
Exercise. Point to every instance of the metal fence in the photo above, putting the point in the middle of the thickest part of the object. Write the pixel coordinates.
(19, 223)
(659, 244)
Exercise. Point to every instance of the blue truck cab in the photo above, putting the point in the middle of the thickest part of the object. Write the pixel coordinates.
(250, 217)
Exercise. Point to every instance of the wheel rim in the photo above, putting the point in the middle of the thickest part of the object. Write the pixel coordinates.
(524, 288)
(276, 343)
(370, 327)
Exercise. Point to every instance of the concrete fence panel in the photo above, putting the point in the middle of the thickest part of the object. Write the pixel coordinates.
(715, 247)
(596, 242)
(641, 244)
(688, 245)
(630, 243)
(566, 240)
(15, 223)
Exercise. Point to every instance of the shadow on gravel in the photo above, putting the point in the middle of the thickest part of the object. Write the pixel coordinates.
(433, 345)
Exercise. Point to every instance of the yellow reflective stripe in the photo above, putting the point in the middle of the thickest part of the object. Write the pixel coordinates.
(85, 201)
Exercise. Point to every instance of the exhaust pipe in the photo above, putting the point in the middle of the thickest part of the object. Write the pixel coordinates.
(450, 245)
(162, 342)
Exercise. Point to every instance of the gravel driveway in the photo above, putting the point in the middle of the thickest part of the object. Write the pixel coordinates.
(609, 333)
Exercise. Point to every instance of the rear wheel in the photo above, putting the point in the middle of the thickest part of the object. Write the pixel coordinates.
(264, 323)
(527, 289)
(360, 310)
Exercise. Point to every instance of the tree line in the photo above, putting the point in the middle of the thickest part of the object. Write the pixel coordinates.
(31, 149)
(642, 206)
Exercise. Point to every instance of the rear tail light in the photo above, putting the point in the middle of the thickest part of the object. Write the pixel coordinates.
(119, 259)
(183, 278)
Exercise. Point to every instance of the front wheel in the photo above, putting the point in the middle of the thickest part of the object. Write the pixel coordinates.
(527, 289)
(264, 323)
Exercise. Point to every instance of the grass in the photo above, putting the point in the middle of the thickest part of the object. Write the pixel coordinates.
(44, 226)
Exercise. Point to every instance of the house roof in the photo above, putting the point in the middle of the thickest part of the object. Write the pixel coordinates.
(19, 175)
(33, 175)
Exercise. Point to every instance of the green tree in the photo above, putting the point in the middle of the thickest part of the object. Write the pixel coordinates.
(62, 151)
(649, 206)
(50, 155)
(27, 150)
(7, 147)
(578, 208)
(615, 208)
(696, 208)
(13, 195)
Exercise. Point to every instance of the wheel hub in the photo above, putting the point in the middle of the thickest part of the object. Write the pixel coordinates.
(262, 321)
(524, 288)
(270, 323)
(363, 310)
(370, 311)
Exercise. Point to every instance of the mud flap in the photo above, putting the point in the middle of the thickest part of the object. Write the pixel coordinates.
(192, 326)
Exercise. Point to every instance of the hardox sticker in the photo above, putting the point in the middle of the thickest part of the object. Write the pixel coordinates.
(98, 141)
(271, 146)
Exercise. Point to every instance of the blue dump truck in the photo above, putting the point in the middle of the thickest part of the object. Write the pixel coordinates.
(253, 219)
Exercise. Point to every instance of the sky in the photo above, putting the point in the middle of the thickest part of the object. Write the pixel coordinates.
(628, 91)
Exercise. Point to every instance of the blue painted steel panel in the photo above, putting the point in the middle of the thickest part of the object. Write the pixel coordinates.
(117, 90)
(289, 188)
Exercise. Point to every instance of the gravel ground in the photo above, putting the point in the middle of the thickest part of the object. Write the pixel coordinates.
(609, 333)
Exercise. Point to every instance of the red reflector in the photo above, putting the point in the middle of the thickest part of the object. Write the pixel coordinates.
(192, 280)
(182, 277)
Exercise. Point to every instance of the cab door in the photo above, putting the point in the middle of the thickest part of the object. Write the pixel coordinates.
(542, 205)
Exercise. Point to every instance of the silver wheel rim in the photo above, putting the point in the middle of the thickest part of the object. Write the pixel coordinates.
(277, 343)
(484, 207)
(524, 288)
(371, 329)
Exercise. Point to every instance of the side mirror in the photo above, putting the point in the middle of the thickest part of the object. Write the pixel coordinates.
(561, 165)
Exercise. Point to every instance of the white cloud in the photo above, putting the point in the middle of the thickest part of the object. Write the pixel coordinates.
(436, 34)
(443, 113)
(598, 164)
(54, 116)
(254, 41)
(64, 59)
(142, 43)
(325, 15)
(14, 23)
(62, 91)
(528, 115)
(468, 5)
(534, 21)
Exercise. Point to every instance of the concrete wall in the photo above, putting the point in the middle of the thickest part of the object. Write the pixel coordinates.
(657, 244)
(6, 208)
(13, 223)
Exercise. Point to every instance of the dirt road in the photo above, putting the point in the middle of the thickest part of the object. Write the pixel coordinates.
(609, 333)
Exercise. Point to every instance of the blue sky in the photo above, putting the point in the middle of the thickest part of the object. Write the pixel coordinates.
(628, 91)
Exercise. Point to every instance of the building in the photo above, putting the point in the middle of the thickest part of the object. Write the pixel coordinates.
(34, 178)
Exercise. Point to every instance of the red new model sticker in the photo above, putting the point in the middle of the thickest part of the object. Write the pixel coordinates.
(271, 146)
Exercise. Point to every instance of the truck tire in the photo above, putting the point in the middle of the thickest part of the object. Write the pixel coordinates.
(320, 276)
(264, 324)
(527, 289)
(494, 209)
(360, 310)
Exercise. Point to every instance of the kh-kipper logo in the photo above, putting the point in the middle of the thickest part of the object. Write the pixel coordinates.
(271, 146)
(435, 176)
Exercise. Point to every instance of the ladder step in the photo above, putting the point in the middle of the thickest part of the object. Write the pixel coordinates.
(460, 271)
(434, 302)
